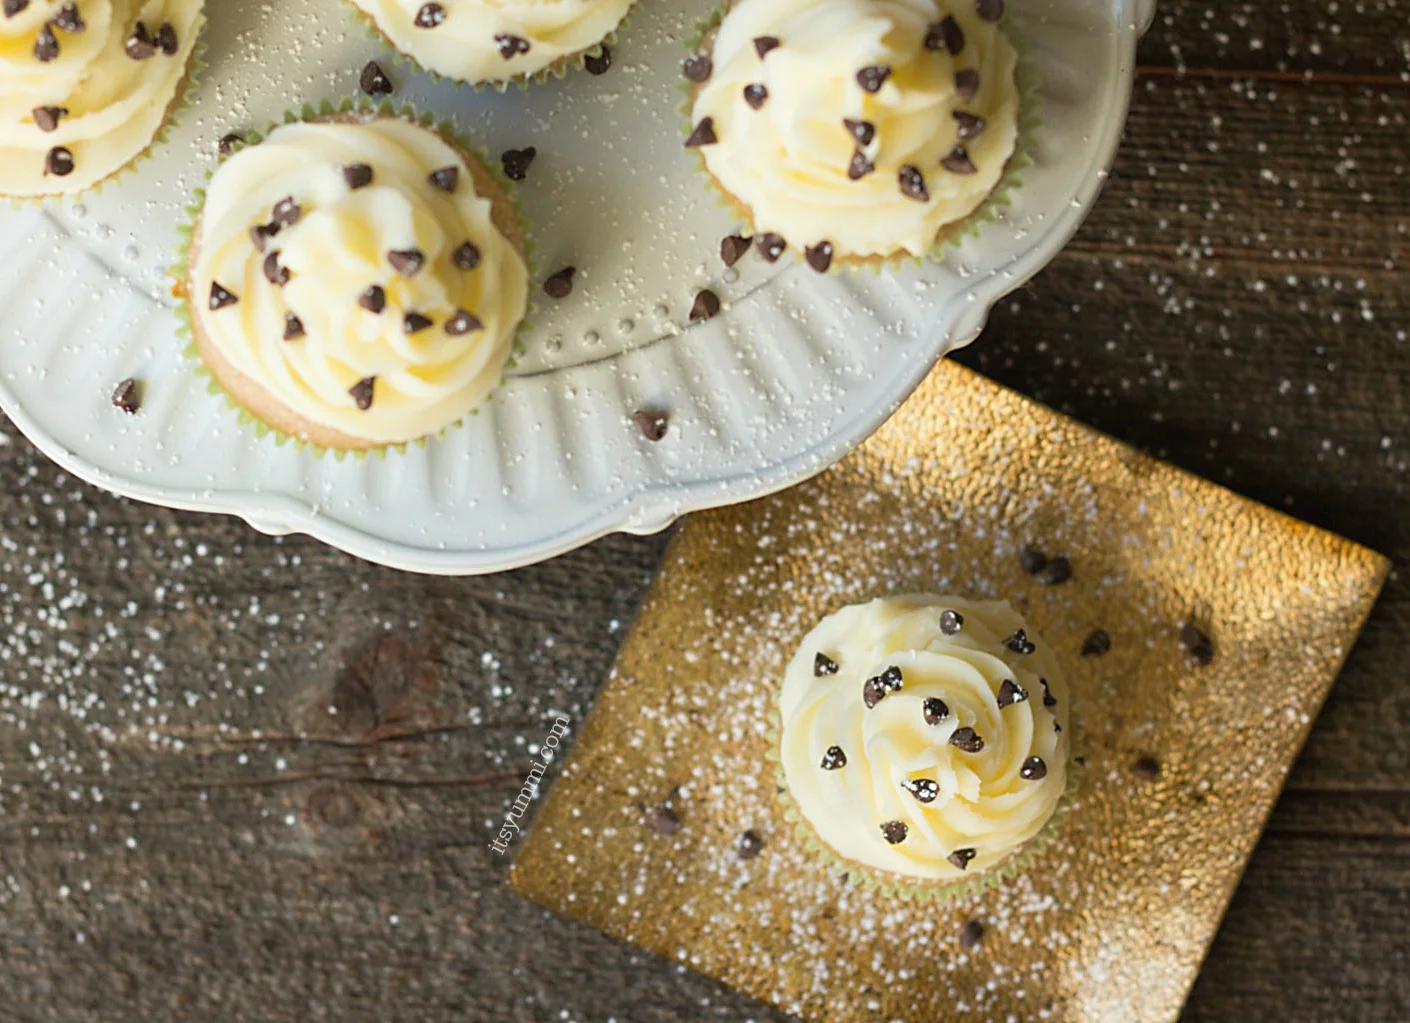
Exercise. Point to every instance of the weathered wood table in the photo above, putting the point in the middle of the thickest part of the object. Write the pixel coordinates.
(188, 833)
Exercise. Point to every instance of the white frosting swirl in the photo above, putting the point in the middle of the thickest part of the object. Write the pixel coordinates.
(398, 232)
(103, 106)
(789, 158)
(910, 768)
(494, 40)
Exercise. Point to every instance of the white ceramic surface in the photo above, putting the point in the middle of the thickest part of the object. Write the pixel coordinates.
(797, 370)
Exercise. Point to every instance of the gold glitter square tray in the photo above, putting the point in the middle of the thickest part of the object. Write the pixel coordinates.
(1113, 917)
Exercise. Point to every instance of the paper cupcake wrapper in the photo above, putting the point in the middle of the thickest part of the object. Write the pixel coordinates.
(557, 70)
(180, 270)
(180, 103)
(915, 889)
(1026, 81)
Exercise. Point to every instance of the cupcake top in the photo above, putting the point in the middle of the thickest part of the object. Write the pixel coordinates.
(85, 85)
(355, 269)
(493, 40)
(925, 735)
(857, 128)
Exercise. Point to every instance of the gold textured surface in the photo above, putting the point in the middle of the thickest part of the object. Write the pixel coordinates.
(1111, 919)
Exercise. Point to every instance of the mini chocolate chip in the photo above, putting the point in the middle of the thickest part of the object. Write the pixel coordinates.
(946, 35)
(873, 77)
(703, 135)
(166, 39)
(990, 10)
(971, 934)
(126, 397)
(966, 739)
(756, 95)
(220, 297)
(1197, 644)
(467, 257)
(651, 423)
(68, 19)
(958, 162)
(1020, 644)
(819, 256)
(663, 821)
(58, 162)
(1049, 700)
(414, 323)
(13, 7)
(407, 262)
(1096, 644)
(967, 83)
(228, 142)
(374, 80)
(971, 125)
(598, 63)
(823, 665)
(698, 68)
(1010, 692)
(363, 392)
(430, 15)
(750, 845)
(1033, 769)
(261, 233)
(140, 45)
(510, 46)
(923, 789)
(560, 284)
(706, 306)
(47, 118)
(763, 44)
(374, 299)
(286, 212)
(913, 183)
(46, 46)
(834, 759)
(895, 832)
(877, 688)
(293, 327)
(447, 179)
(860, 166)
(951, 621)
(1057, 571)
(516, 162)
(733, 248)
(935, 710)
(961, 858)
(462, 322)
(862, 132)
(1032, 560)
(771, 246)
(357, 175)
(273, 272)
(1146, 768)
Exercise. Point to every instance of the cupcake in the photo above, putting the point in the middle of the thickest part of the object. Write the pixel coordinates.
(924, 740)
(493, 41)
(86, 86)
(355, 280)
(855, 131)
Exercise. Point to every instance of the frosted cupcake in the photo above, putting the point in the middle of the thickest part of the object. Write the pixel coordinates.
(86, 86)
(495, 41)
(925, 740)
(356, 281)
(855, 131)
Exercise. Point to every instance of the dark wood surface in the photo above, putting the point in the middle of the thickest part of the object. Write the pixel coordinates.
(187, 832)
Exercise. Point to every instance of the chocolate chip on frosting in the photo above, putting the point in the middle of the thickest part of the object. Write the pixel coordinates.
(834, 759)
(945, 35)
(13, 7)
(286, 212)
(895, 832)
(415, 323)
(220, 297)
(447, 179)
(1020, 644)
(357, 175)
(652, 423)
(516, 162)
(560, 284)
(46, 46)
(1033, 769)
(58, 162)
(46, 119)
(293, 327)
(598, 63)
(430, 15)
(273, 272)
(703, 135)
(68, 19)
(935, 710)
(763, 44)
(166, 39)
(823, 665)
(873, 77)
(862, 132)
(374, 299)
(363, 391)
(698, 68)
(860, 166)
(966, 739)
(971, 125)
(1049, 700)
(913, 183)
(462, 322)
(771, 246)
(467, 256)
(878, 687)
(756, 95)
(990, 10)
(961, 858)
(958, 162)
(923, 789)
(261, 233)
(819, 256)
(126, 396)
(951, 621)
(510, 46)
(967, 83)
(706, 307)
(733, 248)
(140, 45)
(1010, 692)
(374, 80)
(407, 262)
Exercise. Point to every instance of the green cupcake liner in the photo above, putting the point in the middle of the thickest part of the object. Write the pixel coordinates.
(1026, 80)
(923, 890)
(557, 70)
(180, 269)
(195, 68)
